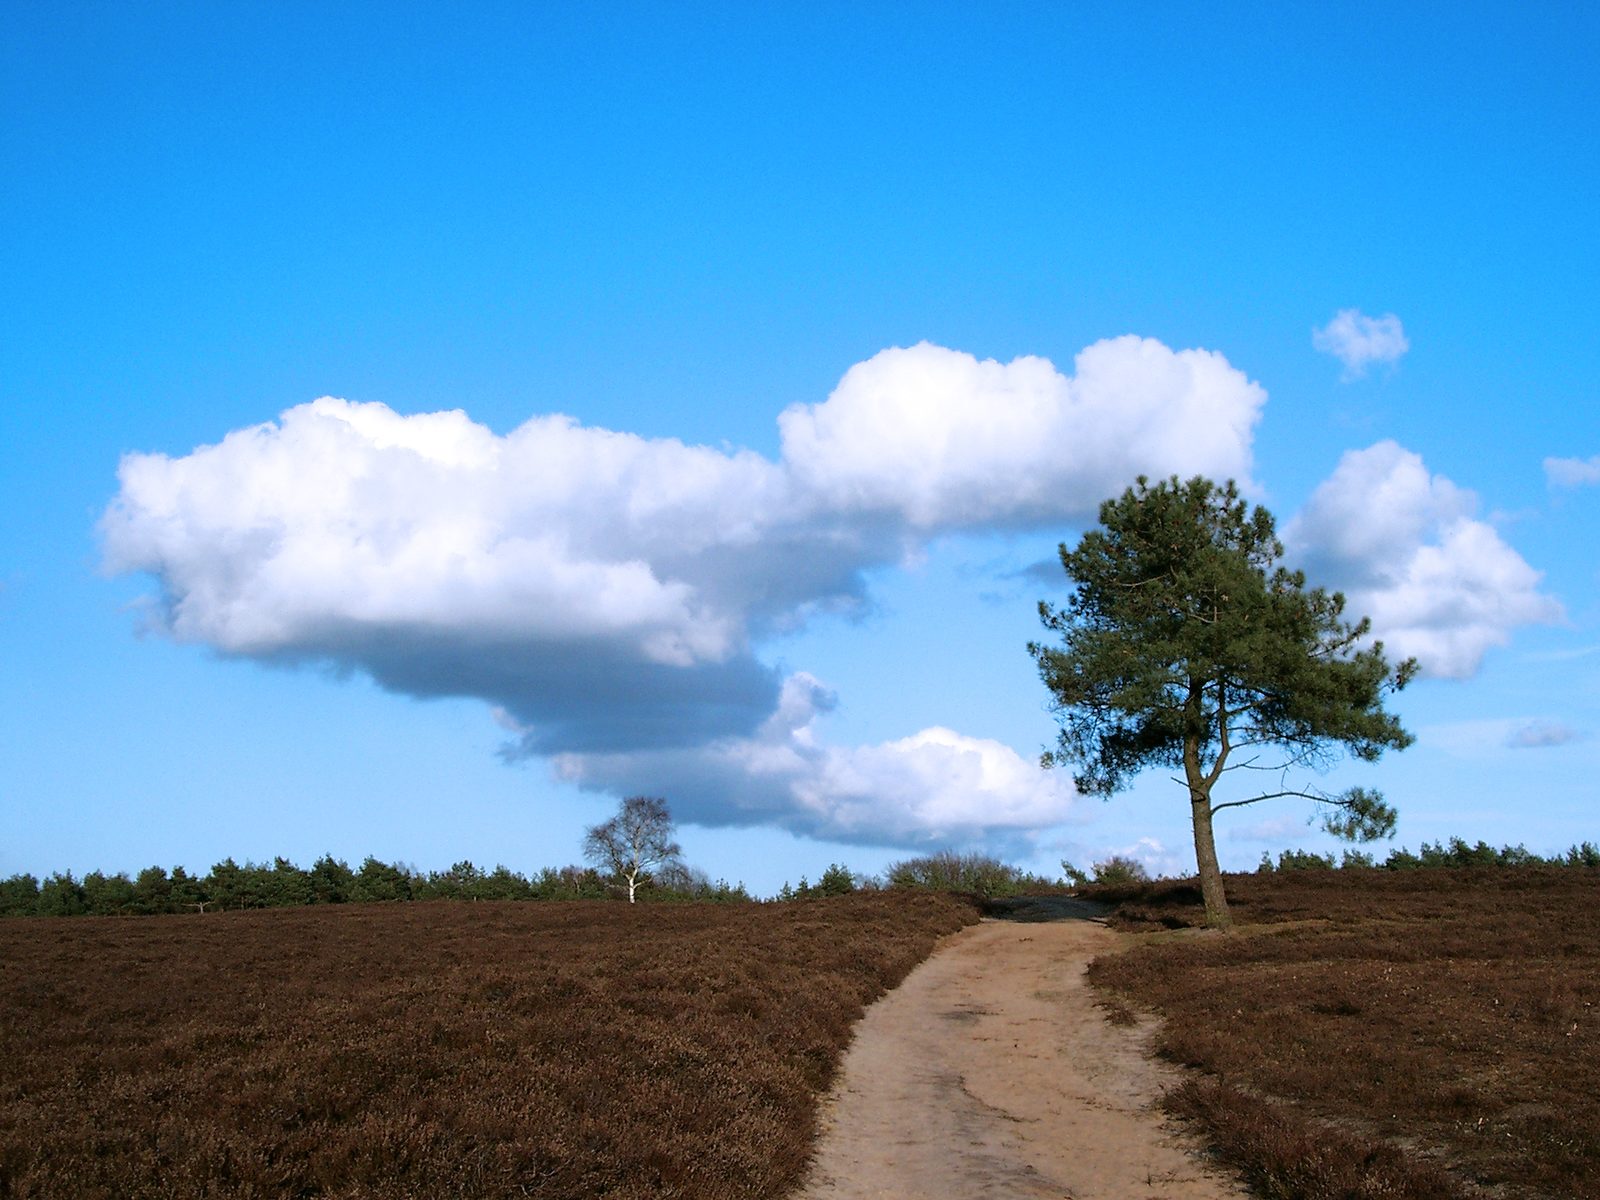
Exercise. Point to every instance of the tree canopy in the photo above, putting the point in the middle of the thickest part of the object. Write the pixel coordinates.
(1187, 644)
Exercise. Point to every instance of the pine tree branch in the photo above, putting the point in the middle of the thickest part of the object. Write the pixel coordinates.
(1304, 795)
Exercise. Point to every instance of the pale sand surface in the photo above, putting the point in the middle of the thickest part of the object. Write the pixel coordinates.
(989, 1073)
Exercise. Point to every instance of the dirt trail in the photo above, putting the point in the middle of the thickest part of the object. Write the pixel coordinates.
(989, 1073)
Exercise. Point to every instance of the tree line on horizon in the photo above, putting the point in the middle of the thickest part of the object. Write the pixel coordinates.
(231, 886)
(1456, 853)
(279, 884)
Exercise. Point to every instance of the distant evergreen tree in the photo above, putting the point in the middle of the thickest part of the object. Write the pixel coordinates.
(19, 896)
(836, 881)
(61, 896)
(380, 881)
(187, 891)
(107, 895)
(331, 881)
(152, 891)
(225, 885)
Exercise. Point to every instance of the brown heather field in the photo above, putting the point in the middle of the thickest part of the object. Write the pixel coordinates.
(437, 1049)
(1430, 1033)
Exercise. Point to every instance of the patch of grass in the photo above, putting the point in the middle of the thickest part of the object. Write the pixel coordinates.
(435, 1049)
(1415, 1027)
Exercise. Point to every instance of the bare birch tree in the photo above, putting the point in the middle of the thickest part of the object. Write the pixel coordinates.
(635, 844)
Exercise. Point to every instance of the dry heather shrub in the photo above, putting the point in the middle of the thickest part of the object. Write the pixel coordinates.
(434, 1049)
(1284, 1157)
(1453, 1012)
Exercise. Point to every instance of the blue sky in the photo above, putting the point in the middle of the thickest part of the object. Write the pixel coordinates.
(898, 231)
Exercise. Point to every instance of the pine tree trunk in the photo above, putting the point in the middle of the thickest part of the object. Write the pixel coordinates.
(1205, 854)
(1205, 845)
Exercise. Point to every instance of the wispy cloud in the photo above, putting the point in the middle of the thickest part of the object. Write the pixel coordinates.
(1045, 575)
(1572, 472)
(1274, 830)
(1358, 340)
(1571, 655)
(1150, 853)
(1491, 737)
(1542, 734)
(1158, 861)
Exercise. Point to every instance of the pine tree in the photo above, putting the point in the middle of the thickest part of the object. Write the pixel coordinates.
(1186, 644)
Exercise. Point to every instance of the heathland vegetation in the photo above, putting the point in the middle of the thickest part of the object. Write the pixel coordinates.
(436, 1049)
(1420, 1028)
(1367, 1033)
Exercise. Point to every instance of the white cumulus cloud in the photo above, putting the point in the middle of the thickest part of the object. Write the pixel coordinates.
(1572, 472)
(942, 440)
(607, 594)
(936, 786)
(1358, 340)
(1407, 550)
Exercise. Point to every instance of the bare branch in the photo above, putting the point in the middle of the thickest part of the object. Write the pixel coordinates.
(1302, 794)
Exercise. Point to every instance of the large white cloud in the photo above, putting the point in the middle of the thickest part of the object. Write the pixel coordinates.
(1408, 551)
(606, 590)
(351, 515)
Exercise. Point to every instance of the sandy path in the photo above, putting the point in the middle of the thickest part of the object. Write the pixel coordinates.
(989, 1073)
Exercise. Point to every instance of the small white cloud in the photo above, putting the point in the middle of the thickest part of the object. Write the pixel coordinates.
(1476, 739)
(1358, 340)
(1542, 734)
(1158, 861)
(1491, 737)
(1572, 472)
(1406, 549)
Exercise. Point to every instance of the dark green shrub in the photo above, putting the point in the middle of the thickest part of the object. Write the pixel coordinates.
(948, 871)
(1119, 868)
